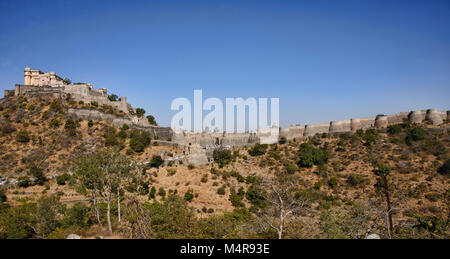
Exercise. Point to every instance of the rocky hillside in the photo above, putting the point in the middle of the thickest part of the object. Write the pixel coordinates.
(337, 184)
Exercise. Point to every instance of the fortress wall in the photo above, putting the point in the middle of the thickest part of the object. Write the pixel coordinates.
(87, 95)
(313, 129)
(434, 117)
(397, 118)
(340, 126)
(292, 132)
(416, 116)
(87, 114)
(163, 133)
(268, 136)
(381, 121)
(367, 123)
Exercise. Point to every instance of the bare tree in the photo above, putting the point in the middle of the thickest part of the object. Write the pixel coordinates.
(382, 185)
(283, 200)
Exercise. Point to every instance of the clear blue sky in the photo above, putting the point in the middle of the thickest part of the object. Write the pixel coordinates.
(325, 60)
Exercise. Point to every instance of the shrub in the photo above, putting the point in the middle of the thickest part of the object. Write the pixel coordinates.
(38, 174)
(290, 168)
(221, 190)
(445, 168)
(22, 136)
(222, 157)
(61, 179)
(355, 179)
(152, 192)
(258, 149)
(255, 195)
(125, 126)
(238, 176)
(94, 103)
(317, 185)
(90, 123)
(122, 134)
(333, 182)
(161, 192)
(394, 129)
(24, 182)
(54, 123)
(236, 200)
(191, 166)
(156, 161)
(70, 127)
(152, 120)
(310, 156)
(414, 134)
(139, 140)
(204, 178)
(140, 112)
(189, 196)
(113, 97)
(282, 141)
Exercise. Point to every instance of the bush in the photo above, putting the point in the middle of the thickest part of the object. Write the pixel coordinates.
(189, 196)
(139, 140)
(222, 157)
(282, 141)
(152, 120)
(355, 179)
(140, 112)
(54, 123)
(113, 97)
(161, 192)
(255, 195)
(90, 123)
(238, 176)
(156, 161)
(24, 182)
(414, 134)
(70, 127)
(317, 185)
(152, 192)
(290, 168)
(258, 149)
(62, 179)
(221, 190)
(445, 168)
(310, 156)
(394, 129)
(333, 182)
(38, 174)
(77, 216)
(22, 136)
(236, 200)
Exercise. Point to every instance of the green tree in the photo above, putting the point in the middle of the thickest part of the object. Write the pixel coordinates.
(103, 174)
(151, 120)
(140, 112)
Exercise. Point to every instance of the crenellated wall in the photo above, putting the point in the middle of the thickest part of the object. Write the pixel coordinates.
(432, 116)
